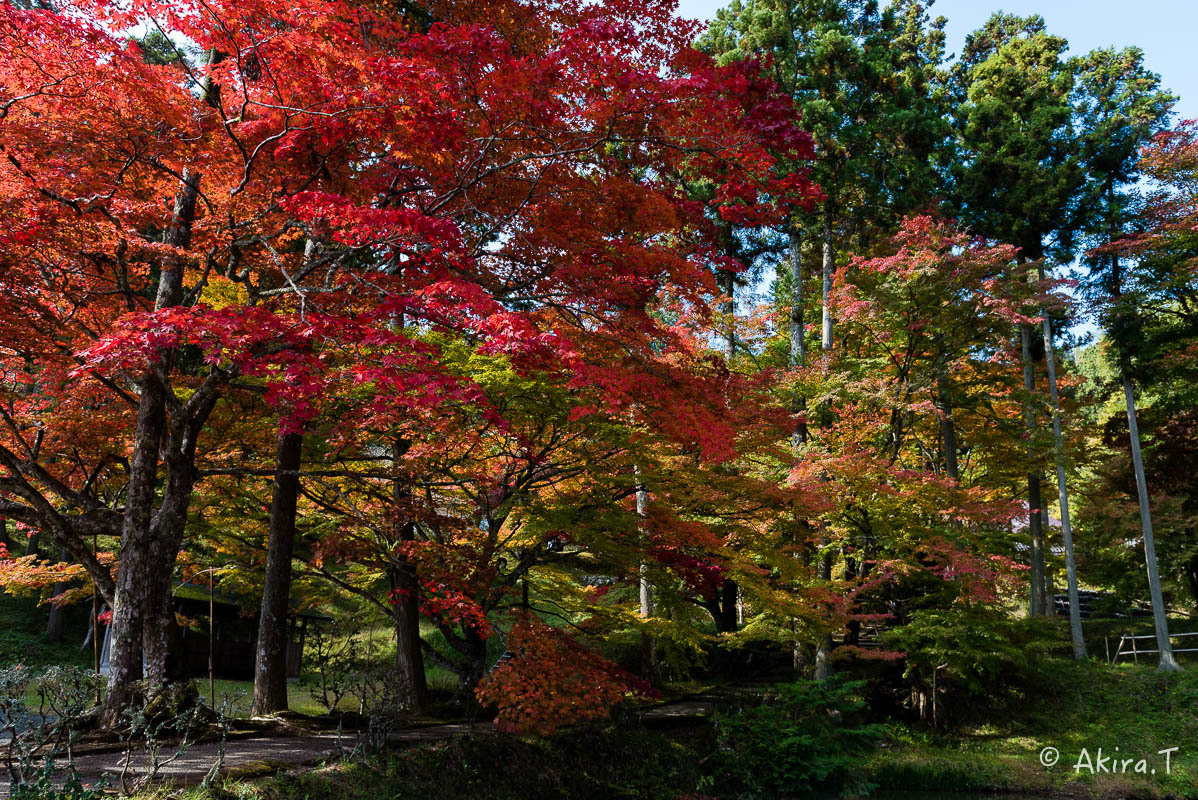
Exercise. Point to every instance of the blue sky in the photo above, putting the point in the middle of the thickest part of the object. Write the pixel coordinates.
(1166, 30)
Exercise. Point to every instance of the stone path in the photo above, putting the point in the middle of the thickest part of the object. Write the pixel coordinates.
(682, 710)
(258, 755)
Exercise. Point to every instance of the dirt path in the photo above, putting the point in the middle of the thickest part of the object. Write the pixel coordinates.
(257, 755)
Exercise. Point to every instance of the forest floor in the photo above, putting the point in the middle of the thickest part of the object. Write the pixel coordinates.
(992, 746)
(245, 757)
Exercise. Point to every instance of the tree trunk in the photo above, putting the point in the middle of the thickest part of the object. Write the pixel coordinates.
(1036, 606)
(31, 544)
(132, 597)
(270, 670)
(727, 600)
(728, 279)
(648, 648)
(475, 652)
(405, 608)
(162, 637)
(140, 572)
(1161, 622)
(948, 430)
(798, 360)
(829, 267)
(823, 668)
(721, 604)
(1075, 613)
(57, 621)
(852, 631)
(798, 338)
(823, 651)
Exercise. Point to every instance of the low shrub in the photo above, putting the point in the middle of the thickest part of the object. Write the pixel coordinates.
(802, 736)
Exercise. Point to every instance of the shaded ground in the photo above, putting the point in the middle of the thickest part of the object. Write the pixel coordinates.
(265, 754)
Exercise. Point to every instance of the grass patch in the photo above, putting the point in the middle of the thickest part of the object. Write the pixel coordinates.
(1069, 707)
(23, 635)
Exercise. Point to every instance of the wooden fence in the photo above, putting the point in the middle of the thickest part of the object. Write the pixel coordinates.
(1127, 646)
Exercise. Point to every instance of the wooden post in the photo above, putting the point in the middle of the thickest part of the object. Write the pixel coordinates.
(1134, 653)
(1106, 642)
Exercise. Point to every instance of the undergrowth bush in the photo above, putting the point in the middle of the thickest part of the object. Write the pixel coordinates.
(960, 655)
(802, 736)
(40, 735)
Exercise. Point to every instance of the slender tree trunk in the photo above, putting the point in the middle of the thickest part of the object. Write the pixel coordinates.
(852, 631)
(798, 337)
(1034, 500)
(32, 543)
(948, 430)
(728, 287)
(409, 658)
(57, 621)
(823, 667)
(829, 267)
(56, 624)
(730, 597)
(798, 360)
(823, 651)
(139, 572)
(1075, 613)
(1159, 618)
(270, 670)
(648, 648)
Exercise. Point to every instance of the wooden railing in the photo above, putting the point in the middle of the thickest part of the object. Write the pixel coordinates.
(1127, 646)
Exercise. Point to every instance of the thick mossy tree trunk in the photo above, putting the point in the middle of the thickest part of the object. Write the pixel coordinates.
(161, 635)
(270, 669)
(144, 566)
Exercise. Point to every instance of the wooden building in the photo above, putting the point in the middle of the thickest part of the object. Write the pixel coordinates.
(234, 634)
